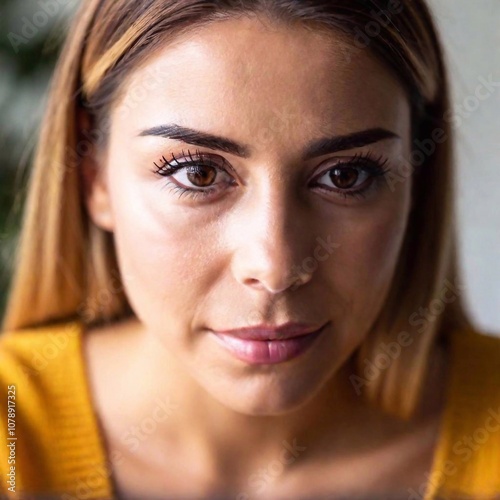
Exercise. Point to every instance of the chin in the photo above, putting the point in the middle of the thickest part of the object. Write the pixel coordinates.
(265, 398)
(262, 407)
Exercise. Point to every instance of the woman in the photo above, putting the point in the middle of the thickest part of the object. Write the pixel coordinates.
(237, 274)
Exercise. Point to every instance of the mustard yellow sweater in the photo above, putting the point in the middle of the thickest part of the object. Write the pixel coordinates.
(50, 441)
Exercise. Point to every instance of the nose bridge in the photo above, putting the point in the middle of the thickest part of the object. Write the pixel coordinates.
(277, 237)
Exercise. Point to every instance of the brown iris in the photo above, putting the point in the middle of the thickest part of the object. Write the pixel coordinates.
(344, 178)
(201, 176)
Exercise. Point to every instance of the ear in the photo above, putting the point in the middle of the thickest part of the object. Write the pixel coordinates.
(96, 195)
(95, 188)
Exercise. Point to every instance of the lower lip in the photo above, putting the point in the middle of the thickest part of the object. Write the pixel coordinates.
(259, 352)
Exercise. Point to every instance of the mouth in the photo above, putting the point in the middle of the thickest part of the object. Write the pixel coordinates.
(269, 332)
(255, 347)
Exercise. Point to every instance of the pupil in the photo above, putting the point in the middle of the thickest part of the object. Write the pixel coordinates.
(201, 176)
(344, 177)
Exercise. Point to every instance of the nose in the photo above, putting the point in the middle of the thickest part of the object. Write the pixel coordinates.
(273, 243)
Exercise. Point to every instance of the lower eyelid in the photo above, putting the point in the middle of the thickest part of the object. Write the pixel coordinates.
(165, 171)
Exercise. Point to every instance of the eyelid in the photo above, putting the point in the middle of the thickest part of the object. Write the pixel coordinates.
(198, 156)
(365, 161)
(360, 157)
(367, 158)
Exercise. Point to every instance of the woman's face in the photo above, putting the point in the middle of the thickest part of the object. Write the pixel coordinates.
(271, 202)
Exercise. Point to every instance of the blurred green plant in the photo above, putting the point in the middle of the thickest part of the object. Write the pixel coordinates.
(31, 34)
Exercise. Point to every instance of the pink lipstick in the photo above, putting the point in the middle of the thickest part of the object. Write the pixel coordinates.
(263, 344)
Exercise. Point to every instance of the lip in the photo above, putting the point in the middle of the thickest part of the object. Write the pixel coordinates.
(268, 332)
(257, 352)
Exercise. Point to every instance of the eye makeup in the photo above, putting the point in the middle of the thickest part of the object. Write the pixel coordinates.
(198, 167)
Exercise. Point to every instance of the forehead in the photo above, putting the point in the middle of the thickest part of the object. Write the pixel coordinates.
(240, 75)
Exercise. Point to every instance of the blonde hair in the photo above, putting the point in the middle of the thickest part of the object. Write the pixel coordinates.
(66, 266)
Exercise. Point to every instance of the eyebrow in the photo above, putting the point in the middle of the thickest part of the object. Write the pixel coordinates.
(319, 147)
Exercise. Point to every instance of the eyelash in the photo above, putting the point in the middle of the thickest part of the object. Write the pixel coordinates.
(365, 162)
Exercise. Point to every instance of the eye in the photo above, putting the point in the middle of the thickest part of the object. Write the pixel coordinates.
(194, 176)
(197, 175)
(346, 177)
(353, 176)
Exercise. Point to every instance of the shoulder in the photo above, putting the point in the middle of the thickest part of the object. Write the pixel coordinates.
(51, 431)
(468, 458)
(476, 367)
(475, 383)
(37, 361)
(26, 355)
(34, 362)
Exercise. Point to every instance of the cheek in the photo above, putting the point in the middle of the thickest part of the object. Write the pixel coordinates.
(367, 258)
(163, 255)
(378, 249)
(361, 273)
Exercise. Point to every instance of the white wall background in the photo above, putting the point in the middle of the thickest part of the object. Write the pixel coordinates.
(470, 30)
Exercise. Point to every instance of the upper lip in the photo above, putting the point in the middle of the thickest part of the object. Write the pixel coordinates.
(269, 332)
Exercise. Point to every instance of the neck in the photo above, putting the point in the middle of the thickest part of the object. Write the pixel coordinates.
(158, 416)
(221, 436)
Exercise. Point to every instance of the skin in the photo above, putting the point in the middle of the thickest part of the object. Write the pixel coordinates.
(226, 261)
